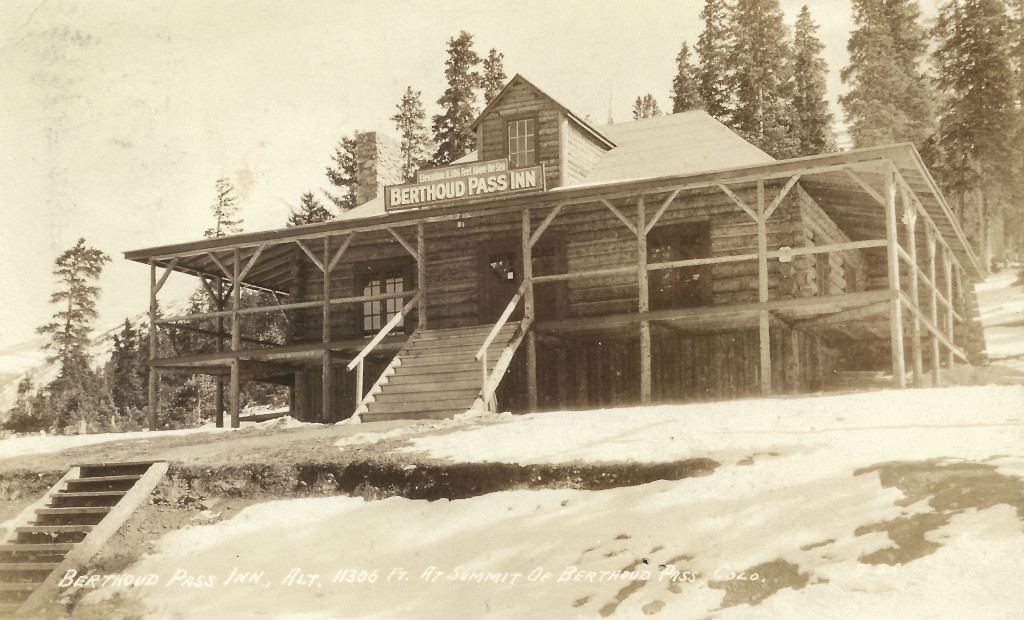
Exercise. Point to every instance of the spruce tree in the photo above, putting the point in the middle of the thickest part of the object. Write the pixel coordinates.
(890, 98)
(78, 393)
(225, 211)
(310, 211)
(409, 120)
(760, 79)
(493, 79)
(451, 128)
(645, 107)
(127, 372)
(76, 268)
(342, 174)
(686, 84)
(812, 119)
(980, 121)
(713, 61)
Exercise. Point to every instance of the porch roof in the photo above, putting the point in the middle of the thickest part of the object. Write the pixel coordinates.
(847, 185)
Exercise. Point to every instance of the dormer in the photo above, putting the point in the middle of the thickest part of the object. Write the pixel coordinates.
(526, 126)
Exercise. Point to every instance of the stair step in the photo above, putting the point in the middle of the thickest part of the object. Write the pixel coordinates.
(459, 354)
(36, 547)
(420, 406)
(74, 510)
(90, 470)
(450, 332)
(428, 415)
(52, 529)
(405, 385)
(123, 478)
(427, 399)
(27, 566)
(474, 342)
(9, 608)
(19, 587)
(88, 494)
(460, 364)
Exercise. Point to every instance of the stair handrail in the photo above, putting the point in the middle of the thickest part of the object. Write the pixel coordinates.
(481, 355)
(357, 361)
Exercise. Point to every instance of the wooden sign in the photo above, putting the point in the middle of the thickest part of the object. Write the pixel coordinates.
(461, 181)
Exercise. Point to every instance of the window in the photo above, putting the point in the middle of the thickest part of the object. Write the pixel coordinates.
(503, 266)
(379, 279)
(522, 142)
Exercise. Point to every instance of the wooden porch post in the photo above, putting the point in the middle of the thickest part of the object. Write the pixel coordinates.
(236, 338)
(910, 224)
(644, 301)
(218, 395)
(947, 272)
(893, 258)
(327, 376)
(959, 305)
(154, 377)
(529, 311)
(421, 276)
(934, 306)
(762, 293)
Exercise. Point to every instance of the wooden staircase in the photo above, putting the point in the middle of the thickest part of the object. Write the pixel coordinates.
(67, 526)
(436, 375)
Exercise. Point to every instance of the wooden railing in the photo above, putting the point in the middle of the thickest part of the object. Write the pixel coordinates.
(489, 386)
(357, 361)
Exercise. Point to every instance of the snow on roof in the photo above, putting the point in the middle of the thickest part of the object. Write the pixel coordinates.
(678, 144)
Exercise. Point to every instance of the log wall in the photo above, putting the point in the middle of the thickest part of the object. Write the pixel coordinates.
(523, 101)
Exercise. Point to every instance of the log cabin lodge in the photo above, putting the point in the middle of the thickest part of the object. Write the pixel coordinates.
(567, 266)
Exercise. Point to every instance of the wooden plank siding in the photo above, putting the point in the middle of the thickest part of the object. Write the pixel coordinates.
(582, 153)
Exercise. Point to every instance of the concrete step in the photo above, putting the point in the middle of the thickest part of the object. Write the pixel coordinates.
(9, 567)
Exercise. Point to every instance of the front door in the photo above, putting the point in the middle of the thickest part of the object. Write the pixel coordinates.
(500, 276)
(682, 287)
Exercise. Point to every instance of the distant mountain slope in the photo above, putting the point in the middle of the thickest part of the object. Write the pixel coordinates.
(29, 358)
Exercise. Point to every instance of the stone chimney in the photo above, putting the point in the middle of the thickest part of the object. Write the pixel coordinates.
(378, 163)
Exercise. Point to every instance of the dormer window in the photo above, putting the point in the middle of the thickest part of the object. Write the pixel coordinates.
(522, 142)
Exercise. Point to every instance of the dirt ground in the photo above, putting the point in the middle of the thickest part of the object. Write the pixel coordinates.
(240, 447)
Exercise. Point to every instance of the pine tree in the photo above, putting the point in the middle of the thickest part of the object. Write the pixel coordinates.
(342, 175)
(225, 211)
(712, 53)
(75, 297)
(409, 120)
(890, 99)
(686, 84)
(813, 121)
(27, 415)
(127, 372)
(645, 107)
(78, 393)
(494, 77)
(310, 211)
(978, 126)
(452, 132)
(760, 79)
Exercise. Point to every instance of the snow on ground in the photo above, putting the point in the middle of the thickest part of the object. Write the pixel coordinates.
(786, 501)
(734, 429)
(839, 506)
(1001, 303)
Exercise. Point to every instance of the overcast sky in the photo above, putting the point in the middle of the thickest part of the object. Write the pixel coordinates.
(117, 117)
